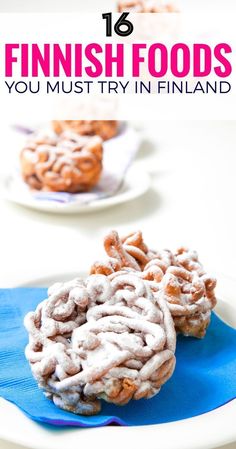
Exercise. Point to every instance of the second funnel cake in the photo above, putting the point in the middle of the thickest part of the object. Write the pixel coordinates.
(178, 276)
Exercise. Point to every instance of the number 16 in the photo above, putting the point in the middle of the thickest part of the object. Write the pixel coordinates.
(122, 21)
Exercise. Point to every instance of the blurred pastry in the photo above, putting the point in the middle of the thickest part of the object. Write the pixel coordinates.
(106, 129)
(65, 163)
(146, 6)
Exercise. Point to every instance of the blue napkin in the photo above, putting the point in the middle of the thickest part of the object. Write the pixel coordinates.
(204, 379)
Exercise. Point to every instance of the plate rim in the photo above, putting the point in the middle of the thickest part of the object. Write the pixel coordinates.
(121, 434)
(133, 172)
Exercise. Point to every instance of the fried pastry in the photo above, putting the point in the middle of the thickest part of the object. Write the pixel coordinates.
(102, 338)
(179, 277)
(106, 129)
(190, 293)
(145, 6)
(64, 163)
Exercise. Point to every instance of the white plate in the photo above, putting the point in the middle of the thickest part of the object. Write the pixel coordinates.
(201, 432)
(135, 184)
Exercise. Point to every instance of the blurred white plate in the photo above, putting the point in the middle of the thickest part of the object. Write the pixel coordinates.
(206, 431)
(135, 184)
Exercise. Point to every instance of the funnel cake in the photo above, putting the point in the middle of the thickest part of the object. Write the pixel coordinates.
(106, 129)
(179, 277)
(145, 6)
(65, 163)
(130, 251)
(105, 338)
(190, 293)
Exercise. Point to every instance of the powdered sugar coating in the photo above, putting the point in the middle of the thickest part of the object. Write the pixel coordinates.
(190, 293)
(179, 277)
(67, 163)
(110, 338)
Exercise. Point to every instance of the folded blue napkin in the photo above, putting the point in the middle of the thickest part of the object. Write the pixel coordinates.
(204, 379)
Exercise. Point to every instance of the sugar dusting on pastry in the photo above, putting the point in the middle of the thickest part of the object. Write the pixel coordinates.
(103, 338)
(65, 163)
(179, 277)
